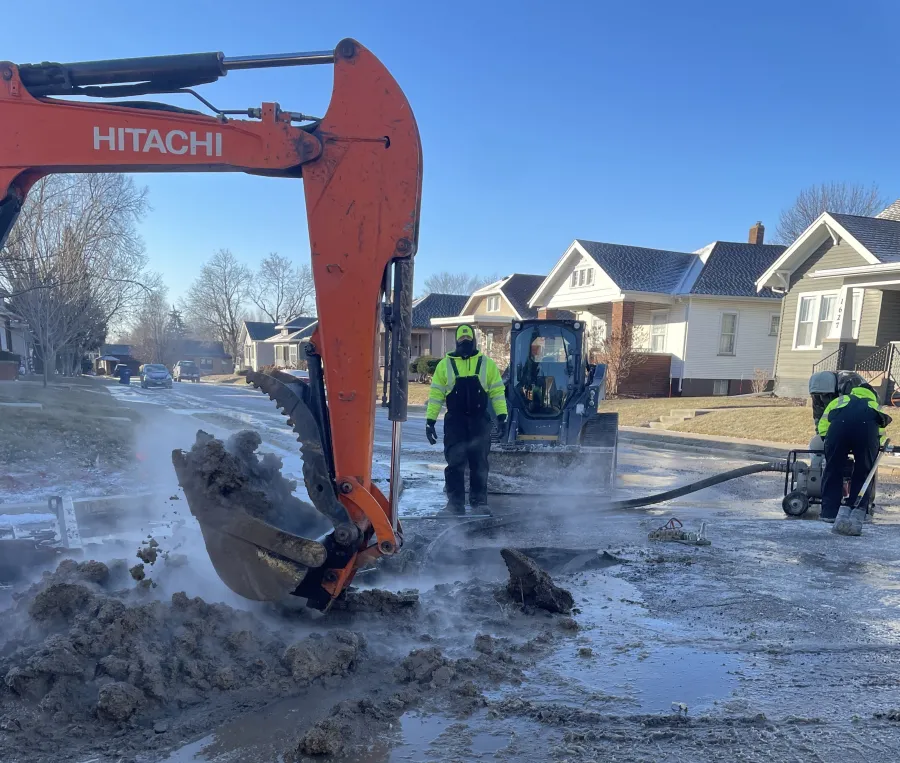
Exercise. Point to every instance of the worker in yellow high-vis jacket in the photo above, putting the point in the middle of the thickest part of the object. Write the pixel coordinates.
(467, 382)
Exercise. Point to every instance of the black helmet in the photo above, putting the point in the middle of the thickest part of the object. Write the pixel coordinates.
(847, 380)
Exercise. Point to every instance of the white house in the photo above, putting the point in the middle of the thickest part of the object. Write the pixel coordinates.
(267, 344)
(707, 329)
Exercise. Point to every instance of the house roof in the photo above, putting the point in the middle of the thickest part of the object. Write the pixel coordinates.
(119, 350)
(732, 268)
(300, 335)
(881, 236)
(876, 239)
(634, 268)
(436, 306)
(297, 322)
(259, 330)
(518, 289)
(201, 348)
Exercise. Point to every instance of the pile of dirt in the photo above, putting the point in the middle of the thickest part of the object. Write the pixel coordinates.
(532, 586)
(83, 659)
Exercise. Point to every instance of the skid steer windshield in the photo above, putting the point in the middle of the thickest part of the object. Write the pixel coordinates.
(544, 373)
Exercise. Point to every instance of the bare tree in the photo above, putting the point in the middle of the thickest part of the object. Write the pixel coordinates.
(282, 290)
(497, 348)
(216, 302)
(845, 198)
(151, 331)
(446, 282)
(760, 380)
(74, 260)
(620, 352)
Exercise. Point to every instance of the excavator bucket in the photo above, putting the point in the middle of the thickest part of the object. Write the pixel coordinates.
(256, 531)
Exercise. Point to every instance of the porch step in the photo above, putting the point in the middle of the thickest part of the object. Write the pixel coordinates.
(677, 416)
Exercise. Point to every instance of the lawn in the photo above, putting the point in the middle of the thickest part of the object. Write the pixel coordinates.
(790, 425)
(70, 428)
(636, 413)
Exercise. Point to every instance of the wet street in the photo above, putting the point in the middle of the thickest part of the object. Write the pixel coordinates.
(778, 641)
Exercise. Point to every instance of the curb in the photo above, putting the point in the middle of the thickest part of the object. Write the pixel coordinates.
(680, 441)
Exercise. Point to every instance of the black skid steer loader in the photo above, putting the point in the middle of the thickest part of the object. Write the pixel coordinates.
(556, 436)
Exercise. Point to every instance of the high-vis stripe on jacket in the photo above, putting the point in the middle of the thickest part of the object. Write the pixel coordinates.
(444, 378)
(839, 402)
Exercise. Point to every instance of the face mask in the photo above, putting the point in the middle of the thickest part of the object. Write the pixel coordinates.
(465, 347)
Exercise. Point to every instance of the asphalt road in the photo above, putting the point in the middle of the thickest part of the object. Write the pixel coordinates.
(255, 407)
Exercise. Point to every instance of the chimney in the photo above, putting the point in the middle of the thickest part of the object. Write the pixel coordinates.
(757, 232)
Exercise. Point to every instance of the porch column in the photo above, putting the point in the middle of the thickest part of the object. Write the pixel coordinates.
(622, 317)
(841, 335)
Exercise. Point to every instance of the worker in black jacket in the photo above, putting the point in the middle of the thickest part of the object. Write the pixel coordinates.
(851, 423)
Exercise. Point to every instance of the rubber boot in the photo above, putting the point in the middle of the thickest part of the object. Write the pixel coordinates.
(453, 509)
(842, 522)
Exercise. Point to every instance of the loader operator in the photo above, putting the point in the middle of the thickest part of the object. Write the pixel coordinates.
(851, 423)
(466, 381)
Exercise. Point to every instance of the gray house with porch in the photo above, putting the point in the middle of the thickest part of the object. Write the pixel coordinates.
(841, 309)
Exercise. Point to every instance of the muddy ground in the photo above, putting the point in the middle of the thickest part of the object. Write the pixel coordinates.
(778, 641)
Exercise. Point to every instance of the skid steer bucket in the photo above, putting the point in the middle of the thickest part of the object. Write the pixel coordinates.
(530, 466)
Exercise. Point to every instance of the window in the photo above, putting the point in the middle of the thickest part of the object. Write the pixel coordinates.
(205, 363)
(774, 324)
(488, 341)
(598, 329)
(659, 319)
(727, 333)
(582, 277)
(720, 387)
(293, 355)
(493, 304)
(816, 314)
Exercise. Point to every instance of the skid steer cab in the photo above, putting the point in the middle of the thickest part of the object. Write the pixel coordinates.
(553, 394)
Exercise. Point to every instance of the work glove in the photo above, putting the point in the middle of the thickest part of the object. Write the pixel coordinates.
(429, 431)
(501, 426)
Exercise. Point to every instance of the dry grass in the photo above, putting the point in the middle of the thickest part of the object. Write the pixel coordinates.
(69, 428)
(635, 413)
(790, 425)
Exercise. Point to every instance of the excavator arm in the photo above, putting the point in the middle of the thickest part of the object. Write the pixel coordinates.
(362, 167)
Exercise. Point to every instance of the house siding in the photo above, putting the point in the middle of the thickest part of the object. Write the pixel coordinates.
(568, 297)
(754, 348)
(479, 307)
(793, 367)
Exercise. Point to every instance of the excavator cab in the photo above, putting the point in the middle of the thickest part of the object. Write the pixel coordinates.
(553, 394)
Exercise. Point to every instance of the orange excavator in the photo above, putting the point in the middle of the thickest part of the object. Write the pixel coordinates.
(362, 166)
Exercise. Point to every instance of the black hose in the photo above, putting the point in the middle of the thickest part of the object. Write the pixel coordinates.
(693, 487)
(491, 523)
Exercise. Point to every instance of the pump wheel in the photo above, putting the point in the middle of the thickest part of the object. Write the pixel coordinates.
(795, 503)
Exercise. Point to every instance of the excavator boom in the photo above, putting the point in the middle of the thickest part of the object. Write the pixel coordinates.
(362, 167)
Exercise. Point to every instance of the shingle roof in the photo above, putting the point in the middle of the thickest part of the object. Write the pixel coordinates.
(634, 268)
(116, 349)
(299, 335)
(518, 289)
(731, 269)
(298, 322)
(436, 306)
(881, 236)
(258, 330)
(201, 348)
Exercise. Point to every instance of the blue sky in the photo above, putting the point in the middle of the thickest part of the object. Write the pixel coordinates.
(648, 123)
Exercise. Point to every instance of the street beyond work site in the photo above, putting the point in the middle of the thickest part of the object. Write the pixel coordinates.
(775, 640)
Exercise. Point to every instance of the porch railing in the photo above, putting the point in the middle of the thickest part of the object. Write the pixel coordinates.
(832, 362)
(876, 368)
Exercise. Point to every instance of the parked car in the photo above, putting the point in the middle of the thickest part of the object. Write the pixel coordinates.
(186, 370)
(155, 375)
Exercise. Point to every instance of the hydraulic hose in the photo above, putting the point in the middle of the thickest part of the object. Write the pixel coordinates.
(490, 523)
